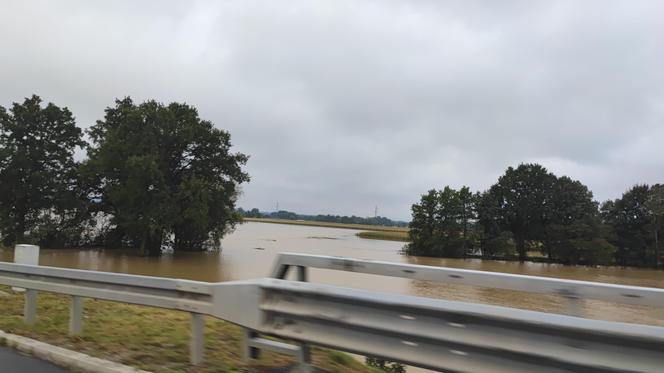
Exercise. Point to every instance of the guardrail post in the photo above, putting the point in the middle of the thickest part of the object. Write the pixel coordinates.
(249, 352)
(30, 306)
(304, 358)
(302, 273)
(75, 315)
(25, 254)
(197, 343)
(574, 306)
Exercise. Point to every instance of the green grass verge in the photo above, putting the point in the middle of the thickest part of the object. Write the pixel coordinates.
(363, 227)
(389, 236)
(148, 338)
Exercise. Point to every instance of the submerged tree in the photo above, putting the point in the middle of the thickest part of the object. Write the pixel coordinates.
(572, 231)
(38, 194)
(162, 172)
(441, 223)
(519, 202)
(494, 241)
(636, 223)
(423, 225)
(655, 205)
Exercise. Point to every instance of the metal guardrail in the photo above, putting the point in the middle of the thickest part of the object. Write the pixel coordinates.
(184, 295)
(436, 334)
(570, 289)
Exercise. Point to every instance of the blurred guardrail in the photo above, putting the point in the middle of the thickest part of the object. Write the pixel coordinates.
(431, 333)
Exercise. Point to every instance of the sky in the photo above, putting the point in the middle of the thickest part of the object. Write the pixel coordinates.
(345, 106)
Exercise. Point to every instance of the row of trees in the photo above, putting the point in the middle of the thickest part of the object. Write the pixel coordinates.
(156, 175)
(289, 215)
(532, 211)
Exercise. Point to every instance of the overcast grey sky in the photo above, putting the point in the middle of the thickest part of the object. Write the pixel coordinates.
(345, 105)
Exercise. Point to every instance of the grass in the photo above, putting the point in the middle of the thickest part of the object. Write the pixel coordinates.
(364, 227)
(147, 338)
(389, 236)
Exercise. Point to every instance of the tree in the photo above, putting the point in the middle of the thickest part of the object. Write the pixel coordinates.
(494, 240)
(655, 206)
(38, 193)
(162, 172)
(518, 203)
(572, 225)
(441, 223)
(636, 221)
(629, 218)
(468, 214)
(423, 224)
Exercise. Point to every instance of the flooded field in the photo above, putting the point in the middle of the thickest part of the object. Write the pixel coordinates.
(250, 251)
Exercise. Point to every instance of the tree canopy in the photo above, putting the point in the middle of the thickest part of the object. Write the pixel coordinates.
(530, 210)
(163, 174)
(39, 195)
(522, 198)
(441, 223)
(636, 222)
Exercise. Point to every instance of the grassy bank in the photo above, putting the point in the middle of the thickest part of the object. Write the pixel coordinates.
(148, 338)
(388, 236)
(364, 227)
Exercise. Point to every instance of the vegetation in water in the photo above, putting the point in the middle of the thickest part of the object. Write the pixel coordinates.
(40, 187)
(156, 175)
(401, 236)
(532, 210)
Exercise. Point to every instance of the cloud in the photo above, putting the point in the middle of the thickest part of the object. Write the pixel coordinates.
(345, 105)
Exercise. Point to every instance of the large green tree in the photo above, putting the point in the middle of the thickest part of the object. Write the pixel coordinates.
(519, 203)
(655, 205)
(636, 222)
(494, 241)
(39, 199)
(441, 223)
(572, 227)
(162, 173)
(423, 224)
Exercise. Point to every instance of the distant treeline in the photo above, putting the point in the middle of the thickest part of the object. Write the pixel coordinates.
(530, 213)
(288, 215)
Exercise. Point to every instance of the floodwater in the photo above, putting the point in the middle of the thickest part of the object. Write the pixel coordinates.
(250, 252)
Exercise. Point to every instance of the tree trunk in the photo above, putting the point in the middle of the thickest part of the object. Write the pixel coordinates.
(465, 236)
(521, 248)
(151, 243)
(19, 233)
(656, 247)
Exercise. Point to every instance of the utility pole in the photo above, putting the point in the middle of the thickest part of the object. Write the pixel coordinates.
(277, 210)
(376, 211)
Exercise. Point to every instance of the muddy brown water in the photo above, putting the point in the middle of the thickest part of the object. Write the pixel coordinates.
(250, 251)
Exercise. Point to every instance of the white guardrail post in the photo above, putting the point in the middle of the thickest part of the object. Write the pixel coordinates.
(30, 307)
(75, 315)
(197, 342)
(28, 254)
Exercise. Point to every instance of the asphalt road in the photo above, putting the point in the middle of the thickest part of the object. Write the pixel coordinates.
(12, 361)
